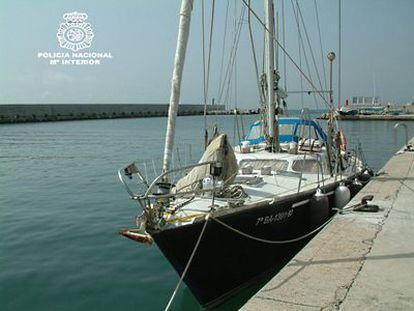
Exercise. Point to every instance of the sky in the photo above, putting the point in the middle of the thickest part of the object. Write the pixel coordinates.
(377, 46)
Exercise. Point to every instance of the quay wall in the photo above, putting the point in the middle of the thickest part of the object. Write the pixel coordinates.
(386, 117)
(19, 113)
(378, 117)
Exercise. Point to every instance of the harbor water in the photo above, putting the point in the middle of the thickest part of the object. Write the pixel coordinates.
(61, 206)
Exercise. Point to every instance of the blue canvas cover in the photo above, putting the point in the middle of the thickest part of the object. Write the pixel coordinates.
(289, 129)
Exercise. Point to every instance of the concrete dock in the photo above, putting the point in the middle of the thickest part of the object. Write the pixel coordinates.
(361, 260)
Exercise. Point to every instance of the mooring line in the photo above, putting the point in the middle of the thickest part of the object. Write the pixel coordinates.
(188, 263)
(270, 241)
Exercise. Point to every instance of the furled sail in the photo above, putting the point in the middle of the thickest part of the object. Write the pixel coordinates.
(218, 150)
(183, 34)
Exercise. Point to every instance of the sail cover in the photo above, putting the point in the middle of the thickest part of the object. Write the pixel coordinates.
(218, 150)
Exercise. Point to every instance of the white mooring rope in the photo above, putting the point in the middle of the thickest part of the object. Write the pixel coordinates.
(188, 263)
(270, 241)
(208, 216)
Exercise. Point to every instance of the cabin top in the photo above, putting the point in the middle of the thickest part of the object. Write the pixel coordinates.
(290, 129)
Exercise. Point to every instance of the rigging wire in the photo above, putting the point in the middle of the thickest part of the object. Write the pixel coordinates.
(320, 44)
(230, 66)
(235, 62)
(339, 51)
(206, 68)
(309, 45)
(240, 127)
(276, 32)
(226, 84)
(223, 46)
(234, 73)
(302, 50)
(287, 54)
(297, 18)
(204, 60)
(235, 99)
(210, 43)
(284, 44)
(300, 58)
(256, 68)
(263, 50)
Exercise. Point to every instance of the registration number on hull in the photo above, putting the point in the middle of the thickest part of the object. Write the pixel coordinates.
(274, 217)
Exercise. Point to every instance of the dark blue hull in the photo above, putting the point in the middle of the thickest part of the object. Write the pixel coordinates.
(226, 260)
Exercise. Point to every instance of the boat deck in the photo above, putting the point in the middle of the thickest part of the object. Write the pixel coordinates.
(271, 187)
(262, 187)
(268, 190)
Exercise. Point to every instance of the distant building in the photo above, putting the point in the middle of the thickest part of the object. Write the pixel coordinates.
(368, 105)
(364, 100)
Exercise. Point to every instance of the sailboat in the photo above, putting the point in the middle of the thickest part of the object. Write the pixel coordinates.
(347, 111)
(245, 210)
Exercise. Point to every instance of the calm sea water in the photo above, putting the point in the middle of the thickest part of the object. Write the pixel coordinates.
(61, 206)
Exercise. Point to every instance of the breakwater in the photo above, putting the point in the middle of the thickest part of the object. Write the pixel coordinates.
(390, 117)
(65, 112)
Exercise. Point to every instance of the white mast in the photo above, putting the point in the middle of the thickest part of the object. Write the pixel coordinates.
(272, 127)
(375, 89)
(183, 32)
